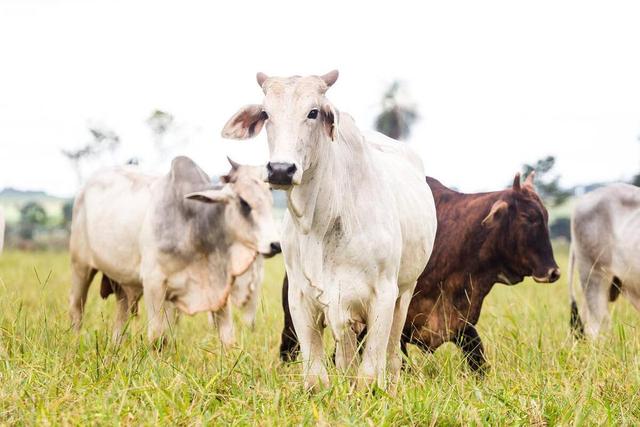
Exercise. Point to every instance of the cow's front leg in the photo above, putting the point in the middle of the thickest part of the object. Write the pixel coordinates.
(394, 346)
(155, 293)
(471, 345)
(379, 321)
(223, 321)
(122, 313)
(308, 322)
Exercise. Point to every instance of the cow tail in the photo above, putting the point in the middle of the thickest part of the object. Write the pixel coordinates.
(576, 323)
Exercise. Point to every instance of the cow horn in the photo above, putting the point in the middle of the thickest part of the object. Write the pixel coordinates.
(234, 165)
(261, 77)
(516, 182)
(529, 181)
(330, 78)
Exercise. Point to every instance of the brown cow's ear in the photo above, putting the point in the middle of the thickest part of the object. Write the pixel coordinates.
(246, 123)
(496, 210)
(330, 118)
(516, 182)
(528, 183)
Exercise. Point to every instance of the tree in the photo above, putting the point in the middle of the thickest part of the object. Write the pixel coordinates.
(547, 183)
(32, 216)
(396, 118)
(67, 214)
(102, 140)
(161, 123)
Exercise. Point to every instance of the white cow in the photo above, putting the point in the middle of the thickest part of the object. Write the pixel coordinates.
(605, 246)
(359, 229)
(155, 235)
(245, 293)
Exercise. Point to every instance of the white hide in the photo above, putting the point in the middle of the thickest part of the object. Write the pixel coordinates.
(605, 244)
(359, 229)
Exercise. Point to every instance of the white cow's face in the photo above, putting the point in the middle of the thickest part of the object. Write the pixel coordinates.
(299, 120)
(249, 208)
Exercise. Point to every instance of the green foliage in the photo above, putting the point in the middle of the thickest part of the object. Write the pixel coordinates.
(539, 375)
(561, 227)
(67, 213)
(547, 184)
(396, 119)
(32, 216)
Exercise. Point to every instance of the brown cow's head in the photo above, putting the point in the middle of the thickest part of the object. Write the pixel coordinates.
(520, 222)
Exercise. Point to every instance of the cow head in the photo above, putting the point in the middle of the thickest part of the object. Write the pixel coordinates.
(299, 120)
(248, 210)
(520, 222)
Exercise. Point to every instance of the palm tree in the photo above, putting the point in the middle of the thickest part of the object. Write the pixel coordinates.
(396, 118)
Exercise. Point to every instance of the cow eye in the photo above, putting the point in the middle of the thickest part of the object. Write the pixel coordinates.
(313, 114)
(246, 207)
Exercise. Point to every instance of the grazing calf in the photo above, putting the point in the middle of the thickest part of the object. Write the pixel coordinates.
(605, 245)
(359, 227)
(174, 238)
(481, 239)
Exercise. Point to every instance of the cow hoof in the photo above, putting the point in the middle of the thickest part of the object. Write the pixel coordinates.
(159, 343)
(316, 383)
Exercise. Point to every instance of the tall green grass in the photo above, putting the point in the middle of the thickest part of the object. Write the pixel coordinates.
(539, 375)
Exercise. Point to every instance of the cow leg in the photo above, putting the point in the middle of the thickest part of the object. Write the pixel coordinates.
(223, 321)
(158, 317)
(345, 338)
(289, 347)
(81, 277)
(122, 313)
(596, 293)
(308, 322)
(471, 345)
(379, 322)
(394, 346)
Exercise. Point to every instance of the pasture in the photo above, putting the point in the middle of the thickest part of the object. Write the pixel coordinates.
(538, 375)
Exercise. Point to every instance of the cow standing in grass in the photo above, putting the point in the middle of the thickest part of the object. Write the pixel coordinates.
(605, 245)
(359, 227)
(175, 238)
(482, 239)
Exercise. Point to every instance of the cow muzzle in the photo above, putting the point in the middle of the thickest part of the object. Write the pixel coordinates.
(274, 249)
(281, 174)
(552, 275)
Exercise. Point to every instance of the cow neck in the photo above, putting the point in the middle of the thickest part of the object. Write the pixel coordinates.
(329, 186)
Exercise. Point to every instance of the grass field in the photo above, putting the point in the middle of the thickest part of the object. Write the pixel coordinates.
(538, 375)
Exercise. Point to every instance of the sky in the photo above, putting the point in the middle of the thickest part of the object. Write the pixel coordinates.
(496, 83)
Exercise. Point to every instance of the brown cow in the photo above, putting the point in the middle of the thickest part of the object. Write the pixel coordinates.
(481, 239)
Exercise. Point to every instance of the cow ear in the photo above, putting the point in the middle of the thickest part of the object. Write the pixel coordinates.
(516, 182)
(330, 78)
(496, 210)
(211, 196)
(246, 123)
(330, 118)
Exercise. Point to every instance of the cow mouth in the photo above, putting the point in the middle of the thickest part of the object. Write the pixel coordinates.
(552, 276)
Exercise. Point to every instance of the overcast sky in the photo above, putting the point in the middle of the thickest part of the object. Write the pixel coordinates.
(497, 84)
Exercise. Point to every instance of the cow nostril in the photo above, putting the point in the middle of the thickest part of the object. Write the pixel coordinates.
(269, 167)
(554, 274)
(275, 248)
(291, 170)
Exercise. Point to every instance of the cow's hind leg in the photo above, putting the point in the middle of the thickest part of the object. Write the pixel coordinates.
(81, 277)
(394, 346)
(122, 313)
(596, 292)
(471, 345)
(289, 347)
